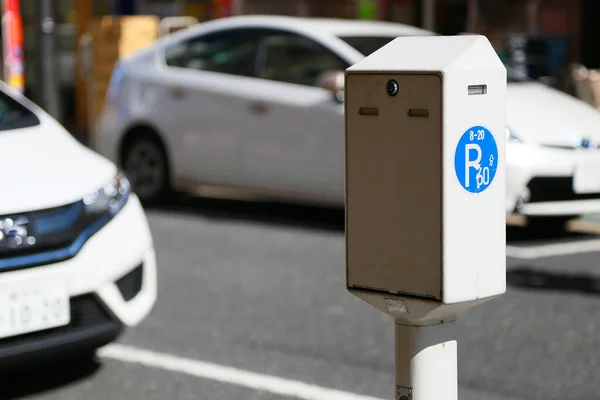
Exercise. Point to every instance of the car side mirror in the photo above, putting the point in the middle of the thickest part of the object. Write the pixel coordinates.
(334, 82)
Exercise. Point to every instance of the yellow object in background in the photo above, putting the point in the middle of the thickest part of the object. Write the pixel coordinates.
(71, 17)
(197, 10)
(17, 82)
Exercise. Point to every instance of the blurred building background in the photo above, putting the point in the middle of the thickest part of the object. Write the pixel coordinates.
(541, 37)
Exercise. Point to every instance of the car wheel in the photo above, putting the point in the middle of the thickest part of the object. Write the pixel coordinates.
(146, 166)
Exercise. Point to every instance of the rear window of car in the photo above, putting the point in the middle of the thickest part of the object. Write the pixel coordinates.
(367, 44)
(13, 115)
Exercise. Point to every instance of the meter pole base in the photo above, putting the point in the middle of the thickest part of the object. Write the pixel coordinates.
(426, 362)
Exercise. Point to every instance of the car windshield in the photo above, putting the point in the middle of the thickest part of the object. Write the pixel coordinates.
(13, 115)
(367, 45)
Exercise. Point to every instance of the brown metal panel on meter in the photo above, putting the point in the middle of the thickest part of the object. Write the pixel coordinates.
(394, 183)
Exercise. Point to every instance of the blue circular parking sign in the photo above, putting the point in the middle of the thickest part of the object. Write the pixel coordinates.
(476, 159)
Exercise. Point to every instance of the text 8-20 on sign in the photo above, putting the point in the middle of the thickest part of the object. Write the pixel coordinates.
(476, 159)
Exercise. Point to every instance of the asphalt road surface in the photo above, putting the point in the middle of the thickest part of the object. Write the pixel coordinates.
(252, 305)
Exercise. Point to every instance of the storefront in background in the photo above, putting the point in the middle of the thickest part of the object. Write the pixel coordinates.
(403, 11)
(569, 31)
(69, 18)
(202, 10)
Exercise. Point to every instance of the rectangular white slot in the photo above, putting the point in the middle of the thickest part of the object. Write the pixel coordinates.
(477, 89)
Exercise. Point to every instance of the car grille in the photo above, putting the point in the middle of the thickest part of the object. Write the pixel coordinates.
(58, 235)
(86, 313)
(555, 189)
(51, 228)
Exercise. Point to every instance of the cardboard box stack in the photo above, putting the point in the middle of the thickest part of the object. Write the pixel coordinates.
(115, 37)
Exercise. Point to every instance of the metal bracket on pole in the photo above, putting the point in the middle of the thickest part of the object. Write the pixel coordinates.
(403, 393)
(48, 84)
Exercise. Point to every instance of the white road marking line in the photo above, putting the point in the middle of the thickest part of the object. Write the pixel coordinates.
(553, 250)
(221, 373)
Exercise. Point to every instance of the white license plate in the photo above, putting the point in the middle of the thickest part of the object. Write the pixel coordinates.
(587, 178)
(33, 306)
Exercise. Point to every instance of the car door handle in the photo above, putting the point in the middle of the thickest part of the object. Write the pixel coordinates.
(259, 108)
(177, 93)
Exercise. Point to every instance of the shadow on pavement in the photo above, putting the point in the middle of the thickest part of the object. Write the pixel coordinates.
(46, 377)
(541, 234)
(529, 278)
(262, 212)
(328, 218)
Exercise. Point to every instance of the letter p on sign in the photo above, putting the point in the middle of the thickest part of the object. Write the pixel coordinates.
(477, 144)
(471, 163)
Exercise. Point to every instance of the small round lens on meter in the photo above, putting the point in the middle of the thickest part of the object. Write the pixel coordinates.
(392, 88)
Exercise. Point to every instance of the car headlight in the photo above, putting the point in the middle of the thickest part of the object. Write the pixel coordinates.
(61, 233)
(110, 198)
(511, 137)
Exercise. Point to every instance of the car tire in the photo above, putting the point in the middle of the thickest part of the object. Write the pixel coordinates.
(146, 165)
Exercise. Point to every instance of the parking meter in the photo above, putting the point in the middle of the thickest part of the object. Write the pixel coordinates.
(425, 192)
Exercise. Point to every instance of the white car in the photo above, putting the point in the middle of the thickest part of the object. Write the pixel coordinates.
(256, 103)
(77, 260)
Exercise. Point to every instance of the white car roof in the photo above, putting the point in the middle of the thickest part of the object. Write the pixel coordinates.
(326, 26)
(325, 29)
(345, 27)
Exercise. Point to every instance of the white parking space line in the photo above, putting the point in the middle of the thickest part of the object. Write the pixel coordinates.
(225, 374)
(553, 250)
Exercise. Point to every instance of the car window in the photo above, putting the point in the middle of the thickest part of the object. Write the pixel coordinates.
(14, 115)
(230, 52)
(367, 45)
(295, 59)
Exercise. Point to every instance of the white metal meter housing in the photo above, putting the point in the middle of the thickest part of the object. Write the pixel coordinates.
(425, 176)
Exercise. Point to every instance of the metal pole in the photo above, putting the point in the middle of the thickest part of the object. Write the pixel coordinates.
(472, 16)
(238, 7)
(85, 53)
(47, 80)
(532, 20)
(426, 362)
(428, 15)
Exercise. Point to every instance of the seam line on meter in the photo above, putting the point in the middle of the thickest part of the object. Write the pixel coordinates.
(225, 374)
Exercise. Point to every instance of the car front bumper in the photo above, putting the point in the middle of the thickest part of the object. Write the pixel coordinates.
(540, 181)
(111, 282)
